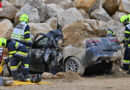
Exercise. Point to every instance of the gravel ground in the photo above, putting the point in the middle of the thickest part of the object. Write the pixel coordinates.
(105, 82)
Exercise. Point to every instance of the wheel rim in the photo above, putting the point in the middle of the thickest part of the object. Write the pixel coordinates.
(71, 65)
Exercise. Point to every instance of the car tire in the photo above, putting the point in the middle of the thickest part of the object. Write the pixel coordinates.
(73, 64)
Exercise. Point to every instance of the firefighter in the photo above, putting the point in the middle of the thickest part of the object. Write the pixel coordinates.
(126, 62)
(110, 33)
(18, 55)
(21, 32)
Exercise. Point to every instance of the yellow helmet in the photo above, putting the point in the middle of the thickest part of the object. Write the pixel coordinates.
(124, 18)
(24, 17)
(3, 42)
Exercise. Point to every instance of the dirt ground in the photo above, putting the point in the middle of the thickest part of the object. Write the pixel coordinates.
(104, 82)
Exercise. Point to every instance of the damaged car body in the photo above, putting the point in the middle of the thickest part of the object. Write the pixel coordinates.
(45, 58)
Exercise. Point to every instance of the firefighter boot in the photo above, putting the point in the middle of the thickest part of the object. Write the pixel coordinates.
(21, 78)
(25, 72)
(128, 71)
(15, 75)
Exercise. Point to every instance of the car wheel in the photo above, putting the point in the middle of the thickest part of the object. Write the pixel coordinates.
(74, 65)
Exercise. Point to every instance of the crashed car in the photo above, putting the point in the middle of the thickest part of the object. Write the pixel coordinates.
(45, 57)
(96, 51)
(46, 54)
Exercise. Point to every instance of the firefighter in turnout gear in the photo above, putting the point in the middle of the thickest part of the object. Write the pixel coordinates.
(110, 33)
(21, 32)
(126, 62)
(18, 55)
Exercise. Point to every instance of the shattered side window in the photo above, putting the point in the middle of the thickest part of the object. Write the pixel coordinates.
(43, 41)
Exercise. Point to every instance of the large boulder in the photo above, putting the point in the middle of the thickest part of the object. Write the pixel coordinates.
(117, 15)
(76, 32)
(12, 1)
(84, 14)
(36, 28)
(52, 22)
(87, 5)
(41, 7)
(111, 6)
(53, 10)
(65, 4)
(52, 1)
(19, 3)
(9, 10)
(100, 14)
(6, 28)
(69, 16)
(124, 6)
(117, 28)
(31, 11)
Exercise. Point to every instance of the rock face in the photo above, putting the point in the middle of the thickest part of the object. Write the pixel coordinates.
(111, 6)
(117, 15)
(53, 10)
(100, 14)
(6, 28)
(117, 28)
(69, 16)
(124, 6)
(85, 4)
(30, 11)
(36, 28)
(76, 32)
(9, 10)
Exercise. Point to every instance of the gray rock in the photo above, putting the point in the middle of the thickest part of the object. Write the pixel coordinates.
(65, 4)
(9, 10)
(31, 11)
(84, 14)
(52, 22)
(39, 28)
(52, 1)
(69, 16)
(53, 10)
(100, 14)
(117, 15)
(83, 29)
(6, 28)
(117, 28)
(46, 75)
(41, 7)
(124, 6)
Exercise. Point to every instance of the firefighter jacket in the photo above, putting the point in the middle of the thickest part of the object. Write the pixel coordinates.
(127, 34)
(21, 33)
(16, 48)
(110, 33)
